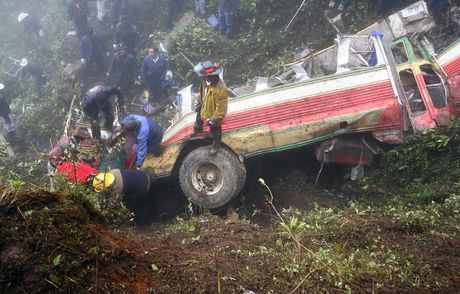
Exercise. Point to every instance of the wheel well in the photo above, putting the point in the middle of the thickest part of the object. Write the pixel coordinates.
(191, 145)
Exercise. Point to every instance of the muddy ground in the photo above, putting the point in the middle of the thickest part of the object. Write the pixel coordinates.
(291, 174)
(59, 243)
(55, 243)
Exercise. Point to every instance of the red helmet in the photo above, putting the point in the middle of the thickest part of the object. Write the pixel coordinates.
(207, 68)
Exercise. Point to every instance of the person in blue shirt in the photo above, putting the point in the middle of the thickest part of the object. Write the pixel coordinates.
(149, 134)
(154, 69)
(127, 34)
(119, 7)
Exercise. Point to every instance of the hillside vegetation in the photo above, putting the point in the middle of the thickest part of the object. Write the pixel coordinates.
(401, 235)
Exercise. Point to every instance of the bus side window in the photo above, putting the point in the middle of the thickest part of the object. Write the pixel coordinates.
(435, 86)
(399, 53)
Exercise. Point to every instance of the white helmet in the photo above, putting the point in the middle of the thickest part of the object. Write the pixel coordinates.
(24, 62)
(22, 15)
(169, 75)
(2, 86)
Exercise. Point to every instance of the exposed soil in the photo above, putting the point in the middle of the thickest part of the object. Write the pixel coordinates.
(52, 243)
(195, 256)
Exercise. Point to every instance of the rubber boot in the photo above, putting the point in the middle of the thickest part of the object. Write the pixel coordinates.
(216, 132)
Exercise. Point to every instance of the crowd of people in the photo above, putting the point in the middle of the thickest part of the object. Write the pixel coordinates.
(143, 134)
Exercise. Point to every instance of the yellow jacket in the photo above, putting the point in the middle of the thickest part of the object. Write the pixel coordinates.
(214, 104)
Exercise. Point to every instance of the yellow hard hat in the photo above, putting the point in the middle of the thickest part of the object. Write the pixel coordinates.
(102, 181)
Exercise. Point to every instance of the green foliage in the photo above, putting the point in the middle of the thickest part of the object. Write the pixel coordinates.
(424, 169)
(45, 119)
(262, 45)
(15, 173)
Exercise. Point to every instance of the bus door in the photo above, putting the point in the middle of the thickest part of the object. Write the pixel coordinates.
(424, 88)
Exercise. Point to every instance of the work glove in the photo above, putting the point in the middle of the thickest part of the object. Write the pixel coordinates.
(139, 80)
(211, 122)
(83, 61)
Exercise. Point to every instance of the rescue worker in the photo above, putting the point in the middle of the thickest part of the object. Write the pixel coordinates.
(122, 70)
(154, 69)
(91, 54)
(211, 102)
(127, 34)
(128, 184)
(36, 72)
(120, 7)
(148, 132)
(77, 12)
(32, 26)
(5, 113)
(5, 110)
(226, 8)
(97, 100)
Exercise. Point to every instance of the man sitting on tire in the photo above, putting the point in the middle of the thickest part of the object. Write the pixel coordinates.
(211, 102)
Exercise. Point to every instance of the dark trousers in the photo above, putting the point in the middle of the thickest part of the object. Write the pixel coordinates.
(93, 111)
(172, 6)
(436, 7)
(226, 22)
(216, 130)
(120, 7)
(157, 94)
(81, 26)
(5, 110)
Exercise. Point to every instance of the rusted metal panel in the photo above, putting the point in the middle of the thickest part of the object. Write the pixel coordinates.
(355, 101)
(164, 164)
(350, 150)
(454, 86)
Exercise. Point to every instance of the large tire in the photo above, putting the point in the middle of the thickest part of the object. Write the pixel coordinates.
(211, 181)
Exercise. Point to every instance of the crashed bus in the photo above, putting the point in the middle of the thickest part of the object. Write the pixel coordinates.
(370, 89)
